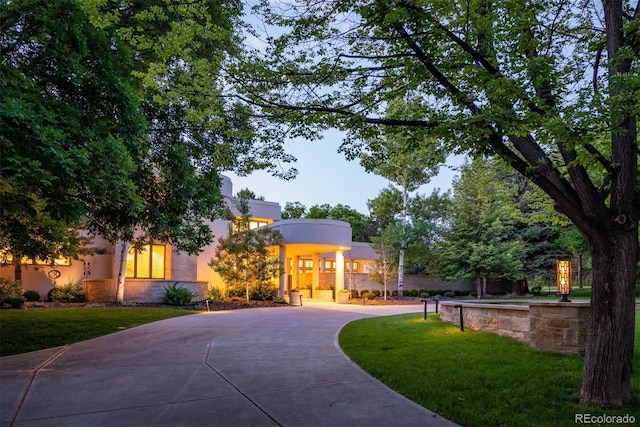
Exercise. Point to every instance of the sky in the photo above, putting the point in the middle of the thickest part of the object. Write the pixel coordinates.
(325, 176)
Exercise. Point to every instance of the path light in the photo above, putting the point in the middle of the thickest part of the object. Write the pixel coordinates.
(563, 278)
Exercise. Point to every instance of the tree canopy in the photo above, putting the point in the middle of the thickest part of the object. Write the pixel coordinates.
(551, 87)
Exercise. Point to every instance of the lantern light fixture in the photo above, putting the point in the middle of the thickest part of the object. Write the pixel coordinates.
(563, 279)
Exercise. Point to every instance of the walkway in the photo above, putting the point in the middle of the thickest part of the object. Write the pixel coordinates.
(255, 367)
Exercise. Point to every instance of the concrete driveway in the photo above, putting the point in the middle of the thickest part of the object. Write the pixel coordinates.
(254, 367)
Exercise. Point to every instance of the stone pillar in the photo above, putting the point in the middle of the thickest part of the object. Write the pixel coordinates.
(339, 270)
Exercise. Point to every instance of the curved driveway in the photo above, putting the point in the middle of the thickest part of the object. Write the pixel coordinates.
(257, 367)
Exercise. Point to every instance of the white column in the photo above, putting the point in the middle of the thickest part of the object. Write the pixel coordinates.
(295, 274)
(283, 271)
(315, 275)
(339, 270)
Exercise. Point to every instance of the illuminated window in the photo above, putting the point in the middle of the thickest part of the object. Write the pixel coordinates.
(305, 265)
(7, 258)
(148, 263)
(257, 223)
(355, 266)
(329, 265)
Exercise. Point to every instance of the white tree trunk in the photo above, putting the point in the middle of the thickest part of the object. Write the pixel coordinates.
(122, 269)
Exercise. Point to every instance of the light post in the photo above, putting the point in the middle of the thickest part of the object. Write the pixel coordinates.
(563, 279)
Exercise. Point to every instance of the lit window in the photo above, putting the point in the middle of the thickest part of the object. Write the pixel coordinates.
(355, 266)
(148, 263)
(329, 265)
(305, 265)
(257, 223)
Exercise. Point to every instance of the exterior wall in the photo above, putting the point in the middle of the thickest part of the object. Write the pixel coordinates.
(138, 290)
(550, 326)
(99, 265)
(360, 281)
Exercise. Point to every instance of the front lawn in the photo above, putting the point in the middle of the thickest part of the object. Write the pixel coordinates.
(22, 331)
(474, 378)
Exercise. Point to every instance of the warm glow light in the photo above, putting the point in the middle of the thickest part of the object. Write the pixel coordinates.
(563, 278)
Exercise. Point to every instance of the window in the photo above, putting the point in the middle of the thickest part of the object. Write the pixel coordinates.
(254, 223)
(355, 266)
(305, 265)
(148, 263)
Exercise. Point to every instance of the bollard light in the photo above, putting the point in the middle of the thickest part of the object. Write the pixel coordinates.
(563, 278)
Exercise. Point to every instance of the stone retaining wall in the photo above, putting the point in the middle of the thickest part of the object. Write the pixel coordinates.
(138, 290)
(550, 326)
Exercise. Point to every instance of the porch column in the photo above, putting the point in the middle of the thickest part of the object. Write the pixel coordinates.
(295, 274)
(339, 270)
(315, 275)
(284, 271)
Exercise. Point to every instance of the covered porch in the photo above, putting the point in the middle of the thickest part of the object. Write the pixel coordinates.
(312, 250)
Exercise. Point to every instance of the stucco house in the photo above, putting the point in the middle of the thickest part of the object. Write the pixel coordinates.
(318, 255)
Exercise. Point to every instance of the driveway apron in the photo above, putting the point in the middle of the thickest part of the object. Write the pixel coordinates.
(254, 367)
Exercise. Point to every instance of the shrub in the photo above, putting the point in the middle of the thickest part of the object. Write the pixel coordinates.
(394, 293)
(15, 302)
(375, 293)
(9, 289)
(31, 295)
(432, 292)
(175, 295)
(413, 292)
(424, 294)
(262, 292)
(367, 295)
(354, 293)
(406, 293)
(449, 294)
(70, 292)
(364, 291)
(215, 294)
(473, 294)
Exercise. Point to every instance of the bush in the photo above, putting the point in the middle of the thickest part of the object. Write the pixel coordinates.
(364, 291)
(262, 292)
(215, 294)
(375, 293)
(354, 293)
(367, 295)
(175, 295)
(71, 292)
(15, 302)
(406, 293)
(394, 293)
(473, 294)
(31, 295)
(424, 294)
(9, 289)
(449, 294)
(413, 293)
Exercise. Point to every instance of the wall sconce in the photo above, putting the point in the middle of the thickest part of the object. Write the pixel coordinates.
(563, 279)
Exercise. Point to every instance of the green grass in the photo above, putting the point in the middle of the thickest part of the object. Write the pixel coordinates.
(474, 378)
(22, 331)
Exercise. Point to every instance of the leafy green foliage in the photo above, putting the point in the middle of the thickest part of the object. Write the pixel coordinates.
(244, 258)
(178, 295)
(481, 242)
(31, 295)
(9, 288)
(69, 292)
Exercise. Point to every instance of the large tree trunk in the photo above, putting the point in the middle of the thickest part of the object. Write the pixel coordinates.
(609, 353)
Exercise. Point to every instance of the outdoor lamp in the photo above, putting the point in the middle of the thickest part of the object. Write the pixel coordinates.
(563, 278)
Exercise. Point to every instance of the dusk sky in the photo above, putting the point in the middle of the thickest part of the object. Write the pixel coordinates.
(325, 176)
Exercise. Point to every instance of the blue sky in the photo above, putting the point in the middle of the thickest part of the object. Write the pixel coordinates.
(325, 176)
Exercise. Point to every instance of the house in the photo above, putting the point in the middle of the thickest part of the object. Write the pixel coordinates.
(322, 250)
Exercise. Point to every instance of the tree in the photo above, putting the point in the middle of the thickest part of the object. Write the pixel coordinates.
(339, 212)
(481, 243)
(549, 87)
(69, 128)
(293, 210)
(244, 259)
(401, 156)
(387, 247)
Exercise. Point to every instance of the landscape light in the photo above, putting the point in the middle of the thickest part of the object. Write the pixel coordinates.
(563, 278)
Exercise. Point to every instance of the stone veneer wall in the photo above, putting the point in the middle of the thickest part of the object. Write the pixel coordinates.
(550, 326)
(138, 290)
